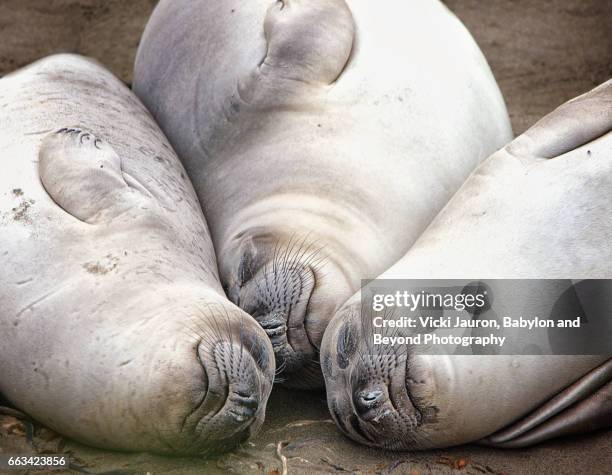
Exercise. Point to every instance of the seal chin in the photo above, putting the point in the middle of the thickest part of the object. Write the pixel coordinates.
(370, 390)
(278, 297)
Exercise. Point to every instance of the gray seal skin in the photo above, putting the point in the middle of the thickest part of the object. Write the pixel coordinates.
(537, 209)
(114, 327)
(322, 137)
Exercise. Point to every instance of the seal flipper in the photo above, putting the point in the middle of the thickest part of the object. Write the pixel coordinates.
(574, 124)
(23, 417)
(308, 41)
(582, 407)
(83, 175)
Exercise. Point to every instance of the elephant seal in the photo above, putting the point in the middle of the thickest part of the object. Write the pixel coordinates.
(321, 137)
(537, 209)
(115, 329)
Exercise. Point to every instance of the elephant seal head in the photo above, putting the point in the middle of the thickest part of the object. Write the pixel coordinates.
(378, 395)
(292, 287)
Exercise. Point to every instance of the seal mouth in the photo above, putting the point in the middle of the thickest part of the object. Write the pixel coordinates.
(278, 297)
(242, 406)
(275, 326)
(232, 407)
(348, 423)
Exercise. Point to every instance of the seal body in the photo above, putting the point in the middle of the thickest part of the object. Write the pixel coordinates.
(537, 209)
(115, 329)
(321, 137)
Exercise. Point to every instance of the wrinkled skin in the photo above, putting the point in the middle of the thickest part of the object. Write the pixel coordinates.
(114, 327)
(321, 137)
(539, 208)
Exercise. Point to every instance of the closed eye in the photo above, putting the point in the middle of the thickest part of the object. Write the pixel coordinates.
(346, 346)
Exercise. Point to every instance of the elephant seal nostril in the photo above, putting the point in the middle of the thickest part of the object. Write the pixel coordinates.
(243, 407)
(369, 400)
(275, 327)
(370, 396)
(245, 400)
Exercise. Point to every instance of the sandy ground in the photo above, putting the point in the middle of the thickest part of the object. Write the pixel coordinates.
(300, 425)
(542, 52)
(108, 30)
